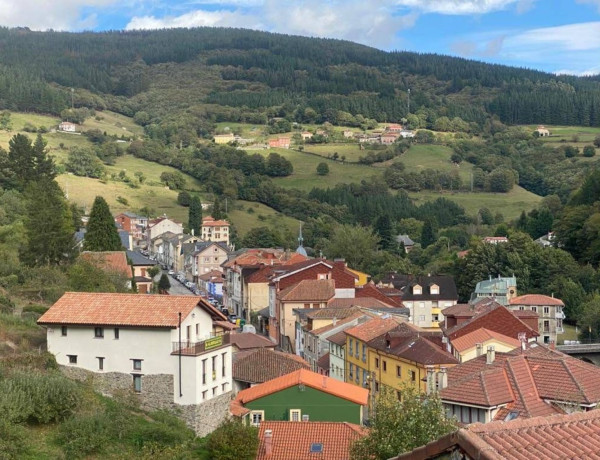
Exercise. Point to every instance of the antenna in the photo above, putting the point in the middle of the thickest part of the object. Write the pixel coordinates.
(408, 100)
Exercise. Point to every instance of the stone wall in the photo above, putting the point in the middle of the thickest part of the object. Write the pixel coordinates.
(157, 393)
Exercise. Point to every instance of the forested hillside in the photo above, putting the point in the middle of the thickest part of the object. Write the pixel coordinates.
(264, 74)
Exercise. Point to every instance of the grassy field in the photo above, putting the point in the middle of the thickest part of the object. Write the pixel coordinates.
(510, 205)
(259, 216)
(305, 175)
(437, 157)
(352, 152)
(569, 134)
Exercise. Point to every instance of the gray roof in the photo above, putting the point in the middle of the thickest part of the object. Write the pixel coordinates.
(124, 235)
(133, 215)
(138, 259)
(405, 239)
(202, 245)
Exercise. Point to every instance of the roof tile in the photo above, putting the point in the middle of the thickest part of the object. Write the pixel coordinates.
(263, 365)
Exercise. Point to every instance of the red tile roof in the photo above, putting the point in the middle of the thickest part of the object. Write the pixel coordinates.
(108, 309)
(308, 378)
(345, 321)
(482, 335)
(209, 221)
(309, 290)
(532, 377)
(372, 328)
(536, 300)
(213, 275)
(336, 439)
(370, 290)
(115, 261)
(558, 437)
(323, 362)
(263, 365)
(247, 340)
(338, 338)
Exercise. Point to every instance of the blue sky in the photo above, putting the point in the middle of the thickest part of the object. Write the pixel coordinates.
(560, 36)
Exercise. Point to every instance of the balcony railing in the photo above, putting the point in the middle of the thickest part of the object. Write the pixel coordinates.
(189, 348)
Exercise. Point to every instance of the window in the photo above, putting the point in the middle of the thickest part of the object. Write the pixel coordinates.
(63, 331)
(137, 383)
(376, 363)
(214, 391)
(99, 332)
(376, 387)
(350, 373)
(116, 333)
(356, 348)
(137, 364)
(197, 329)
(546, 326)
(398, 371)
(100, 364)
(214, 368)
(350, 348)
(533, 309)
(204, 395)
(417, 289)
(364, 353)
(421, 317)
(257, 416)
(72, 359)
(295, 415)
(546, 311)
(364, 376)
(223, 356)
(399, 395)
(204, 372)
(413, 376)
(384, 366)
(421, 304)
(188, 331)
(435, 317)
(224, 387)
(315, 305)
(435, 289)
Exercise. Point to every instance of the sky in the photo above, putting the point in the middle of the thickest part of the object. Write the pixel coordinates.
(560, 36)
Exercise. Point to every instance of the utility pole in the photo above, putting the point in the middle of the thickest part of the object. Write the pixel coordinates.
(408, 100)
(72, 92)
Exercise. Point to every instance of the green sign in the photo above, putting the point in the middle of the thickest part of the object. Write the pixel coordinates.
(213, 343)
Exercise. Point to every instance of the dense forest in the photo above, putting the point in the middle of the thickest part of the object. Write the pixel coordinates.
(278, 75)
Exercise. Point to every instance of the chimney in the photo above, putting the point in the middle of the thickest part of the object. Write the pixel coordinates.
(442, 378)
(479, 349)
(324, 381)
(552, 345)
(430, 385)
(491, 354)
(268, 442)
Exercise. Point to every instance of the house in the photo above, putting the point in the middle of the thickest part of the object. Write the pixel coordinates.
(202, 257)
(126, 240)
(280, 143)
(393, 128)
(173, 255)
(527, 382)
(248, 341)
(501, 289)
(547, 240)
(307, 440)
(549, 310)
(159, 347)
(67, 127)
(362, 278)
(425, 296)
(558, 437)
(212, 283)
(215, 230)
(348, 134)
(495, 240)
(301, 395)
(337, 356)
(407, 134)
(473, 344)
(406, 241)
(134, 224)
(313, 293)
(223, 138)
(306, 135)
(141, 265)
(162, 225)
(322, 365)
(112, 262)
(260, 365)
(357, 362)
(542, 131)
(387, 295)
(403, 355)
(462, 319)
(388, 138)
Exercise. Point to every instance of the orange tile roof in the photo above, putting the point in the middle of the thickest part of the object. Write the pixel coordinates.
(308, 378)
(115, 261)
(209, 221)
(536, 299)
(298, 437)
(558, 437)
(109, 309)
(482, 335)
(372, 328)
(248, 340)
(309, 290)
(262, 365)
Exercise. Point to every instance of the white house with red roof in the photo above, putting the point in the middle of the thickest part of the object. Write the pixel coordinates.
(549, 310)
(215, 230)
(163, 348)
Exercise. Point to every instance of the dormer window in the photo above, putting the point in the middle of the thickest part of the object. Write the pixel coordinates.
(435, 289)
(417, 290)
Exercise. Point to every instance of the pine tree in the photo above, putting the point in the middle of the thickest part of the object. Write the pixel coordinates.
(217, 210)
(48, 225)
(29, 162)
(383, 228)
(195, 215)
(164, 284)
(102, 234)
(428, 234)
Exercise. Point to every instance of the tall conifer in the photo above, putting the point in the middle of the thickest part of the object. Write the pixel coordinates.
(195, 215)
(102, 234)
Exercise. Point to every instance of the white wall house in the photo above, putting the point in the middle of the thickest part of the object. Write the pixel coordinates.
(137, 337)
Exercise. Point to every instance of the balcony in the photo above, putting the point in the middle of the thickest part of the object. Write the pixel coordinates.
(188, 348)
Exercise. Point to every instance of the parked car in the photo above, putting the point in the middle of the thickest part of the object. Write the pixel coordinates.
(232, 318)
(225, 311)
(171, 272)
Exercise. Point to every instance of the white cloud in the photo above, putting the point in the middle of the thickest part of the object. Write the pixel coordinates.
(42, 15)
(573, 37)
(459, 6)
(591, 2)
(198, 18)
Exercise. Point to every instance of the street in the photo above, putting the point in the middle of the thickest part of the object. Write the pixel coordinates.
(177, 288)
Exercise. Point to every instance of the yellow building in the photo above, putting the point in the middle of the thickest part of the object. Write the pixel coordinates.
(474, 344)
(224, 138)
(357, 357)
(363, 278)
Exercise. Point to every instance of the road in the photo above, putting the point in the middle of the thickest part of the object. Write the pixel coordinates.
(177, 288)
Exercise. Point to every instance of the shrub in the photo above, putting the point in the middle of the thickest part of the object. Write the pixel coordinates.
(233, 440)
(589, 151)
(322, 169)
(13, 443)
(84, 435)
(123, 200)
(184, 198)
(164, 430)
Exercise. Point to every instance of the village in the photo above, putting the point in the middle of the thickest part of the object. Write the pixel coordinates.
(303, 348)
